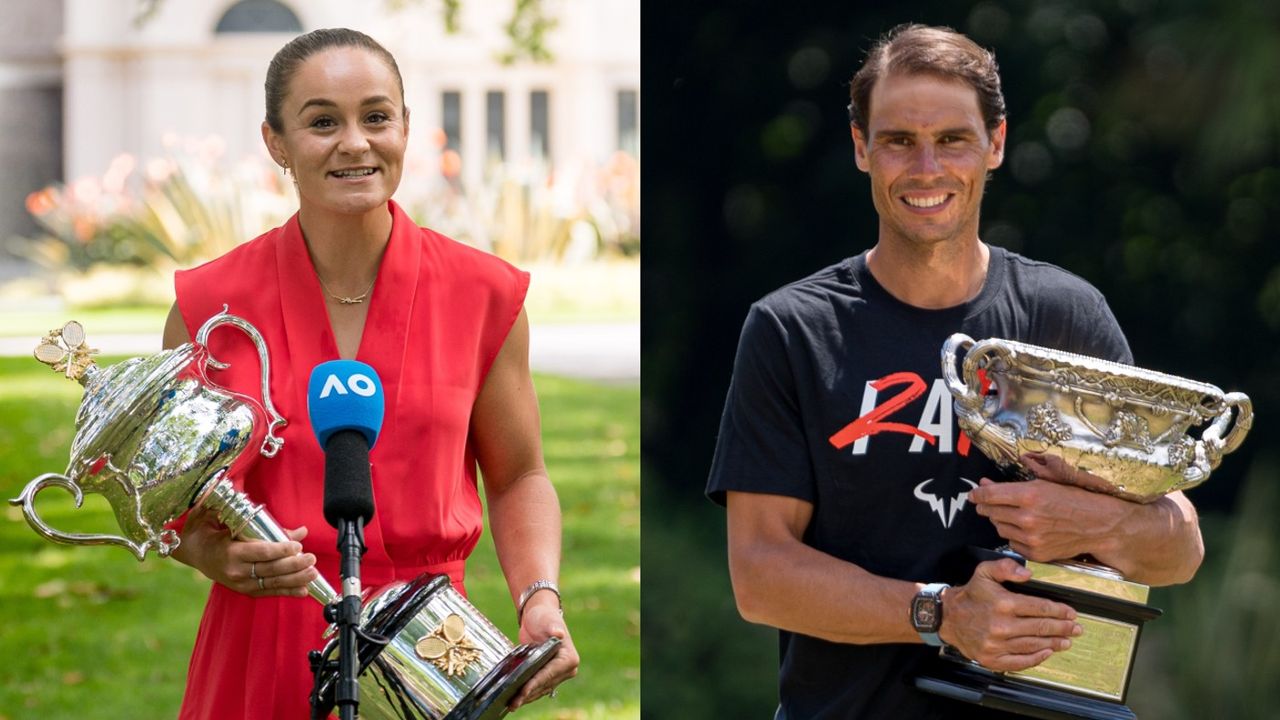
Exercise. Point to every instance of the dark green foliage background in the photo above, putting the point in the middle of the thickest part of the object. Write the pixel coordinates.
(1144, 140)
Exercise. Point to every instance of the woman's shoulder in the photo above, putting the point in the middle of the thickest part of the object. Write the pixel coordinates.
(233, 279)
(466, 263)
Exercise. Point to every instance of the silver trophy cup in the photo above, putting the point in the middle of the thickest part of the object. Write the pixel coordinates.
(1124, 426)
(157, 438)
(1107, 427)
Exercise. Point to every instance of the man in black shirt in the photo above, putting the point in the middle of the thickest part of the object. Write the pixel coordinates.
(850, 489)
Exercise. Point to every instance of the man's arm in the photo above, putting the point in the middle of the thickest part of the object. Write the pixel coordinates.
(1157, 544)
(780, 581)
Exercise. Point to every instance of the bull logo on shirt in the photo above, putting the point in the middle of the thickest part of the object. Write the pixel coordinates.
(939, 505)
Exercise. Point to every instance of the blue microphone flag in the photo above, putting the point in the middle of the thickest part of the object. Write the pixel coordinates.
(345, 395)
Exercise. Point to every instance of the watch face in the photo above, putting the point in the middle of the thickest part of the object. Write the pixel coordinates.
(924, 613)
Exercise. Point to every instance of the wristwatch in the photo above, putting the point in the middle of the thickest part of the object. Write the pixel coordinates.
(926, 613)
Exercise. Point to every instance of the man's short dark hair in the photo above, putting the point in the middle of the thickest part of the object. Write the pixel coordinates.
(941, 52)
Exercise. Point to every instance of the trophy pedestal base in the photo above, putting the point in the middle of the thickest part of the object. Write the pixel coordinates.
(970, 684)
(1090, 680)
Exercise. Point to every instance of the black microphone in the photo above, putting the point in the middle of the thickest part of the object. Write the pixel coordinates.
(348, 487)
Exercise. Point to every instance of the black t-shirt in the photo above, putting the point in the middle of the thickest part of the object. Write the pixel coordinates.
(837, 399)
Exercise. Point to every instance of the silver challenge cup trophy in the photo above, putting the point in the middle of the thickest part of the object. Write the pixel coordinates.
(1110, 428)
(156, 438)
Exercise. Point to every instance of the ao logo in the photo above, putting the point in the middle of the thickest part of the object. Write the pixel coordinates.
(358, 383)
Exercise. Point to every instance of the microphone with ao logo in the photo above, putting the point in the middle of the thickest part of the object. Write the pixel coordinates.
(345, 404)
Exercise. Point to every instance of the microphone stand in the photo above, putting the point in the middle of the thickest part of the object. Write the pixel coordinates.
(345, 613)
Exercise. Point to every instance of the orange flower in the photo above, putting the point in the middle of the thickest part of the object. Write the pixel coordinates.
(450, 163)
(41, 201)
(84, 229)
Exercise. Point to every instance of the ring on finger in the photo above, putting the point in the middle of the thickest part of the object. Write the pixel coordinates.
(261, 584)
(253, 571)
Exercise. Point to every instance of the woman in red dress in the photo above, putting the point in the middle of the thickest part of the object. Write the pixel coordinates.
(350, 276)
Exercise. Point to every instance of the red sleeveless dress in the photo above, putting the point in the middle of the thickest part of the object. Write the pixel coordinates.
(438, 315)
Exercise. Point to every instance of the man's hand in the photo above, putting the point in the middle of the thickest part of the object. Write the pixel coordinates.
(1057, 516)
(1003, 630)
(1046, 521)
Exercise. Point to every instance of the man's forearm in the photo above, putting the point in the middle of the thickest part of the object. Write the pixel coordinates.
(795, 587)
(1159, 545)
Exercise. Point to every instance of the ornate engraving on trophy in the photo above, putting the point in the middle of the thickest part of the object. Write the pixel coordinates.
(448, 647)
(1044, 422)
(1125, 425)
(1099, 667)
(1182, 453)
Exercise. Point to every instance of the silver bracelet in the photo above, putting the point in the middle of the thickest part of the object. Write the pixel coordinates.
(534, 587)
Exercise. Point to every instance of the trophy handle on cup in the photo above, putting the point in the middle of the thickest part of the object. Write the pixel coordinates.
(1106, 427)
(968, 395)
(271, 444)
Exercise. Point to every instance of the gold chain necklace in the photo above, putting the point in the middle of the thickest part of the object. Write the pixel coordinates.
(347, 300)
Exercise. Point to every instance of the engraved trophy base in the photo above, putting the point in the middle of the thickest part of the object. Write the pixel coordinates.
(1088, 681)
(397, 684)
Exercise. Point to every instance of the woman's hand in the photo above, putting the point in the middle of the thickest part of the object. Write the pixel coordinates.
(542, 619)
(252, 567)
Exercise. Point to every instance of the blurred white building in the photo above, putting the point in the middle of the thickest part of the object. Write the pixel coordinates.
(197, 67)
(82, 82)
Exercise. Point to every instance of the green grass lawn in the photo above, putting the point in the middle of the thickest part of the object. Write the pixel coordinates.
(135, 319)
(88, 632)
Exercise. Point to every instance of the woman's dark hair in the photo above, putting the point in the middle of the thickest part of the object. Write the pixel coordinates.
(297, 50)
(941, 52)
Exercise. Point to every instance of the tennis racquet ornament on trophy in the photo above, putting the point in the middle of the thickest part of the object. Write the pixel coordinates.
(1107, 427)
(156, 438)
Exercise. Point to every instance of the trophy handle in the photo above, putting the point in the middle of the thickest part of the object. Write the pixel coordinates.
(165, 541)
(1215, 445)
(271, 445)
(966, 394)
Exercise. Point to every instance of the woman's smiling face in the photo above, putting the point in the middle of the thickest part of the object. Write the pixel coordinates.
(344, 131)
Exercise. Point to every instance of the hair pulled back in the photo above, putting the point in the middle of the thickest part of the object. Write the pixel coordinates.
(296, 51)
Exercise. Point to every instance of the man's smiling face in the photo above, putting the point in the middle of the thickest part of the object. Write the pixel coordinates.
(928, 154)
